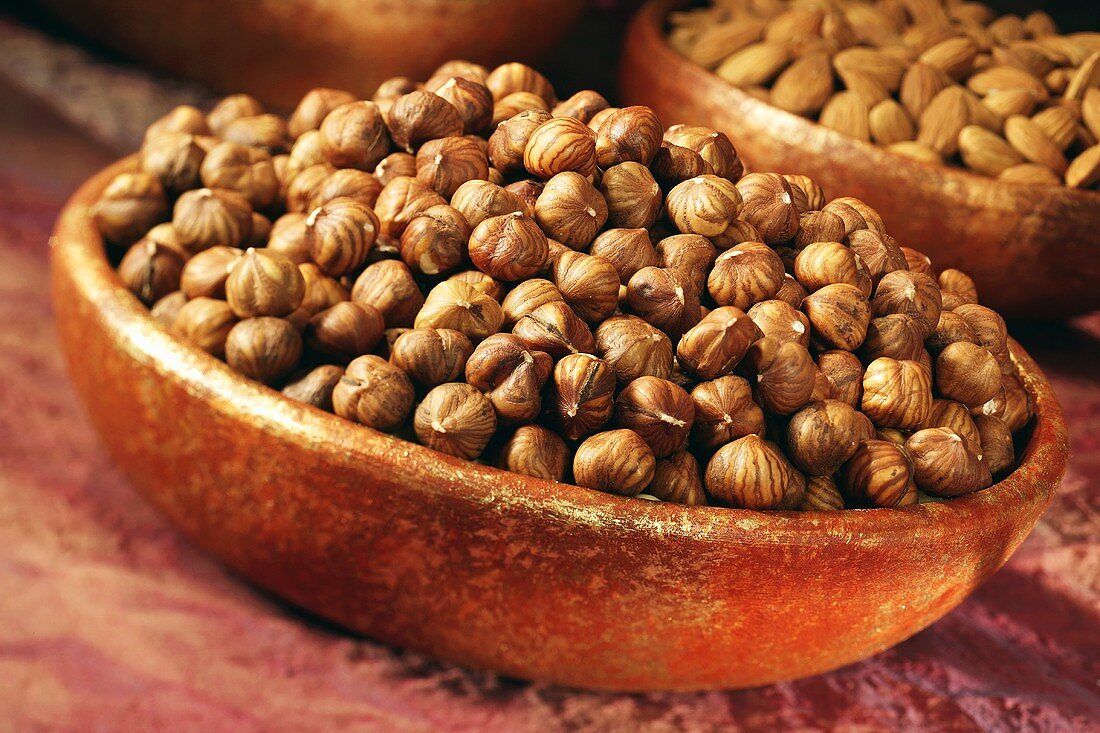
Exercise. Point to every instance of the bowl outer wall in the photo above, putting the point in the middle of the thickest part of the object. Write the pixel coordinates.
(1034, 251)
(494, 570)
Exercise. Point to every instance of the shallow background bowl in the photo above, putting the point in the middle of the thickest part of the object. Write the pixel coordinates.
(489, 569)
(1033, 250)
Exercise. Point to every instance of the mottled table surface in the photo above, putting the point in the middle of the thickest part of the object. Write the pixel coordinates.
(110, 620)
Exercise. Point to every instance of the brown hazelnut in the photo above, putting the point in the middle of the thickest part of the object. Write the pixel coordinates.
(394, 165)
(509, 140)
(738, 232)
(665, 298)
(960, 283)
(206, 216)
(472, 99)
(895, 336)
(314, 107)
(205, 273)
(305, 151)
(420, 116)
(130, 205)
(481, 282)
(525, 297)
(580, 395)
(340, 234)
(712, 146)
(967, 373)
(315, 387)
(703, 205)
(724, 412)
(527, 191)
(205, 322)
(676, 479)
(790, 292)
(535, 451)
(853, 220)
(1012, 404)
(265, 349)
(673, 164)
(301, 190)
(183, 118)
(431, 356)
(581, 105)
(400, 200)
(559, 145)
(633, 198)
(784, 374)
(349, 183)
(447, 163)
(767, 205)
(509, 247)
(691, 253)
(879, 252)
(715, 345)
(844, 373)
(615, 461)
(917, 261)
(322, 291)
(481, 200)
(629, 250)
(258, 232)
(823, 435)
(995, 440)
(434, 241)
(877, 475)
(374, 393)
(511, 375)
(588, 283)
(628, 134)
(839, 315)
(750, 473)
(911, 294)
(818, 226)
(570, 209)
(896, 394)
(262, 284)
(556, 329)
(267, 132)
(659, 411)
(826, 263)
(151, 269)
(345, 330)
(165, 310)
(944, 464)
(231, 108)
(633, 348)
(779, 320)
(954, 416)
(951, 328)
(987, 325)
(516, 77)
(389, 286)
(392, 88)
(173, 158)
(248, 171)
(463, 70)
(461, 307)
(746, 274)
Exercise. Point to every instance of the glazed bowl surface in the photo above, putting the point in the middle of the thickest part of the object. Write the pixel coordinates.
(488, 569)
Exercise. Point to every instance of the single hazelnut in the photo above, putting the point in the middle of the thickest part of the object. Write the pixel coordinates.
(951, 328)
(712, 146)
(463, 70)
(823, 435)
(628, 134)
(321, 291)
(677, 479)
(345, 330)
(818, 226)
(302, 188)
(461, 307)
(511, 375)
(896, 336)
(917, 261)
(826, 263)
(205, 322)
(555, 328)
(691, 253)
(570, 209)
(151, 269)
(967, 373)
(389, 286)
(580, 396)
(995, 439)
(633, 348)
(1012, 404)
(314, 107)
(767, 204)
(267, 132)
(516, 77)
(665, 298)
(206, 216)
(724, 412)
(447, 163)
(183, 118)
(559, 145)
(944, 464)
(481, 200)
(262, 284)
(394, 165)
(265, 349)
(615, 461)
(420, 116)
(844, 373)
(717, 343)
(750, 473)
(987, 325)
(779, 320)
(525, 297)
(305, 151)
(896, 394)
(258, 231)
(535, 451)
(481, 282)
(791, 292)
(173, 158)
(954, 416)
(784, 374)
(672, 164)
(633, 198)
(629, 250)
(911, 294)
(400, 200)
(877, 475)
(349, 183)
(527, 191)
(509, 247)
(510, 138)
(130, 205)
(431, 356)
(455, 419)
(231, 108)
(703, 205)
(374, 393)
(392, 88)
(960, 283)
(853, 220)
(340, 234)
(248, 171)
(315, 387)
(745, 275)
(738, 232)
(588, 283)
(165, 310)
(659, 411)
(581, 105)
(204, 275)
(471, 98)
(879, 252)
(434, 242)
(839, 315)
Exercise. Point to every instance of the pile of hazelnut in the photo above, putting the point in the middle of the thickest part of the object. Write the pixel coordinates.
(567, 290)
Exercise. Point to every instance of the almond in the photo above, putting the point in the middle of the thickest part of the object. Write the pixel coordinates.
(1087, 76)
(1090, 111)
(865, 86)
(954, 56)
(1007, 102)
(1031, 142)
(872, 62)
(926, 12)
(890, 123)
(836, 29)
(916, 151)
(986, 152)
(1066, 47)
(1059, 123)
(918, 87)
(1084, 171)
(1030, 173)
(794, 25)
(755, 64)
(805, 86)
(872, 27)
(1033, 57)
(1038, 23)
(979, 113)
(847, 114)
(923, 37)
(1004, 77)
(941, 121)
(1085, 138)
(1008, 28)
(716, 42)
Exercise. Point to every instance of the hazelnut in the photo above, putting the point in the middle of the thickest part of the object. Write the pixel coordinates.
(420, 116)
(205, 217)
(877, 475)
(790, 292)
(633, 348)
(779, 320)
(839, 315)
(510, 138)
(628, 134)
(826, 263)
(340, 234)
(750, 473)
(392, 88)
(570, 209)
(691, 253)
(472, 99)
(555, 328)
(509, 247)
(314, 107)
(955, 416)
(629, 250)
(258, 232)
(511, 375)
(165, 310)
(746, 274)
(345, 330)
(389, 286)
(960, 283)
(461, 307)
(739, 232)
(615, 461)
(633, 198)
(264, 285)
(588, 283)
(183, 118)
(435, 241)
(823, 435)
(205, 273)
(784, 374)
(150, 269)
(231, 108)
(525, 297)
(248, 171)
(659, 411)
(844, 373)
(951, 328)
(822, 495)
(580, 396)
(917, 261)
(987, 326)
(676, 479)
(481, 282)
(400, 200)
(394, 165)
(703, 205)
(349, 183)
(581, 105)
(911, 294)
(463, 70)
(967, 373)
(173, 158)
(944, 464)
(205, 322)
(265, 349)
(767, 205)
(535, 451)
(715, 345)
(267, 132)
(818, 226)
(673, 164)
(516, 77)
(481, 200)
(431, 356)
(447, 163)
(896, 394)
(665, 298)
(995, 439)
(559, 145)
(305, 151)
(527, 191)
(724, 412)
(315, 387)
(374, 393)
(301, 190)
(896, 336)
(130, 205)
(1012, 404)
(879, 252)
(853, 220)
(712, 146)
(455, 419)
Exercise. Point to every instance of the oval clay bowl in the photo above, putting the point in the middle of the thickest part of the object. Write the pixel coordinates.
(489, 569)
(1033, 250)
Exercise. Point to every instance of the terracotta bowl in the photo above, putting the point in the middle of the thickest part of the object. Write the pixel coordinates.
(279, 50)
(489, 569)
(1033, 250)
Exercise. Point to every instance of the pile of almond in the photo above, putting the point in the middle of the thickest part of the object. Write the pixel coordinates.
(941, 81)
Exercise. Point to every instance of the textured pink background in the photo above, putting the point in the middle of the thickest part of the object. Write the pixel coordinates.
(110, 621)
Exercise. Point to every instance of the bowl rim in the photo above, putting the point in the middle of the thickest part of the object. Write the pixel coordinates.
(78, 248)
(649, 23)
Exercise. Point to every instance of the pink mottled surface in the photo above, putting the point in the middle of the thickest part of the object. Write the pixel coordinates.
(110, 621)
